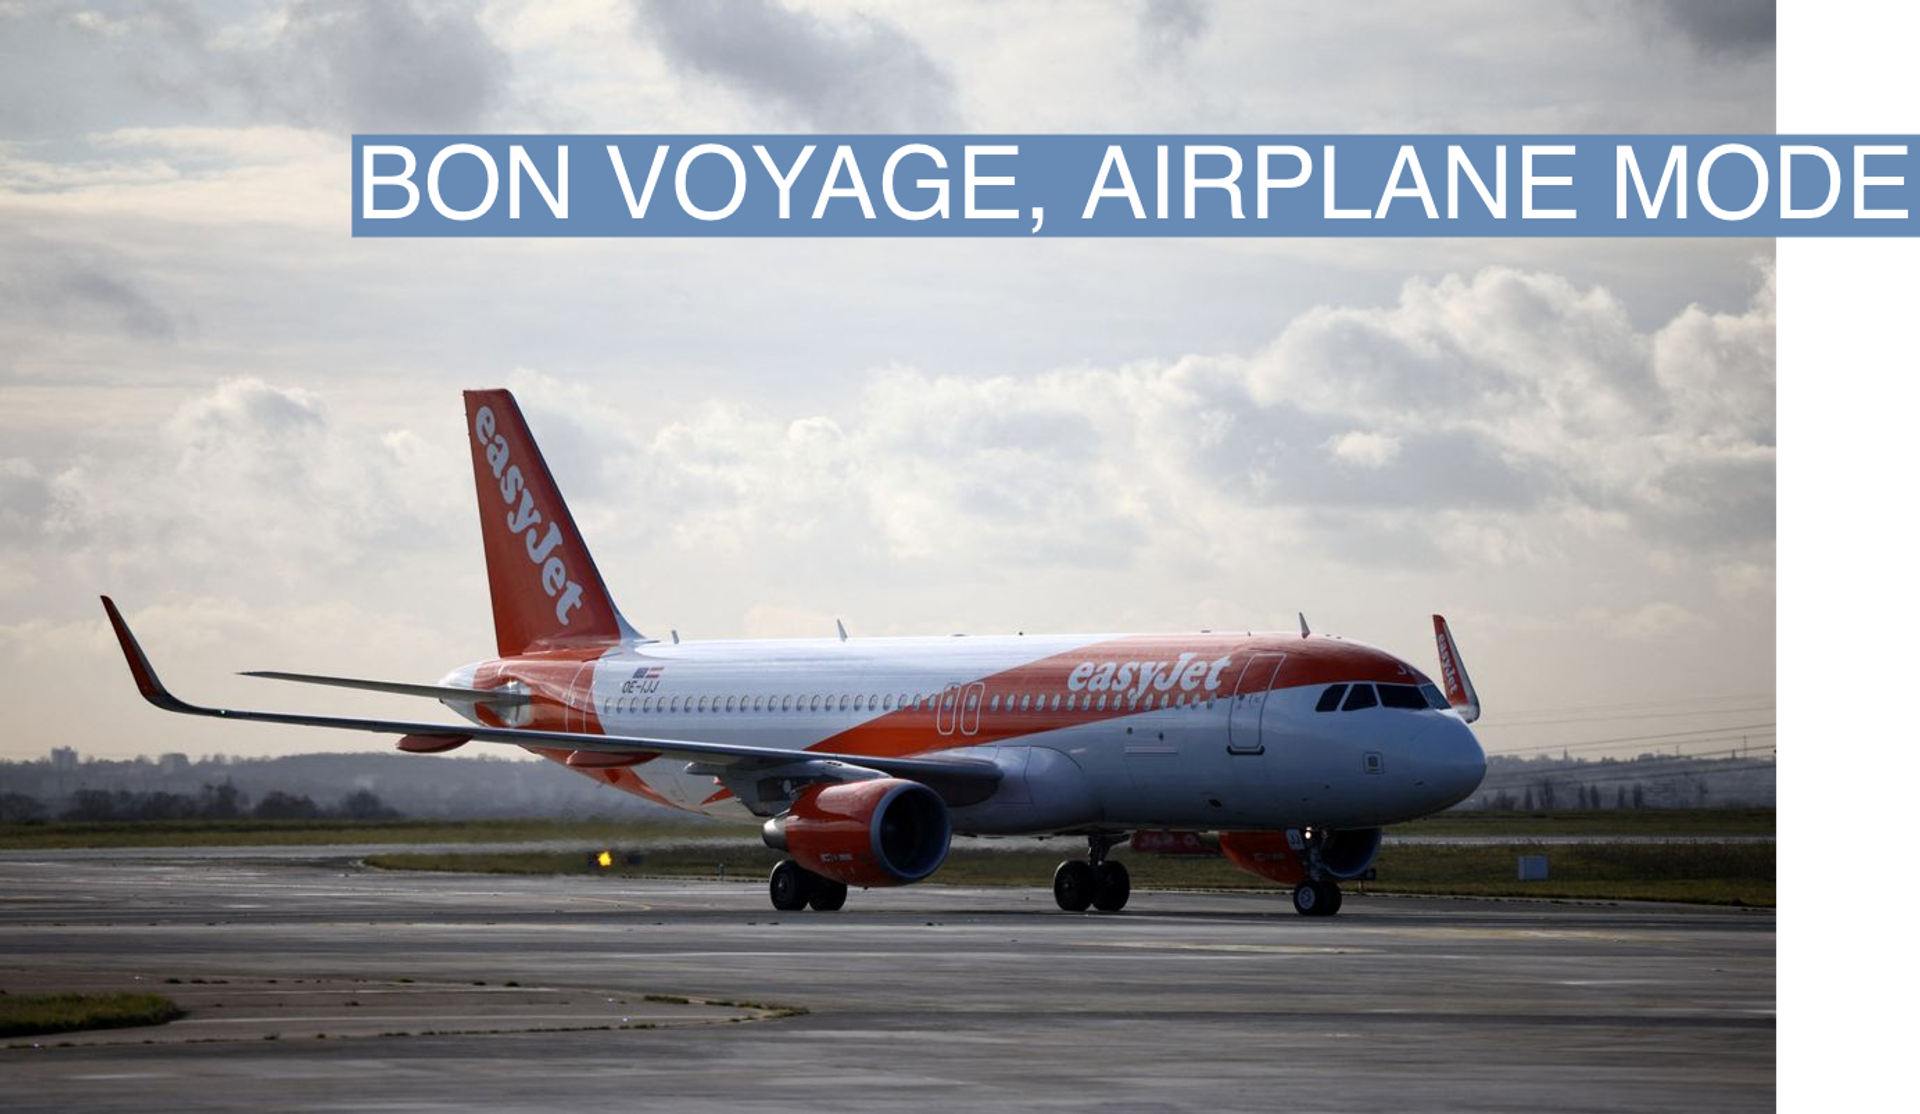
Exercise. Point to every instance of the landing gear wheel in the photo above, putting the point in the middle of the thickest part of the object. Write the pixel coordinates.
(1111, 886)
(788, 886)
(1317, 899)
(826, 896)
(1073, 886)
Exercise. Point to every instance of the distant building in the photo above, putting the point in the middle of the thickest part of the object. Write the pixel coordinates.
(64, 759)
(173, 765)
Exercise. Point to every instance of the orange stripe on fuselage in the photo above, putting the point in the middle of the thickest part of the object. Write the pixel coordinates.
(561, 682)
(1312, 660)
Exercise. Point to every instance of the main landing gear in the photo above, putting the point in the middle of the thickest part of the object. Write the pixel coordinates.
(1098, 882)
(1317, 899)
(794, 888)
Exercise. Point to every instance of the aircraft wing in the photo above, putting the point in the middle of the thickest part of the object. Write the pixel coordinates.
(494, 698)
(958, 779)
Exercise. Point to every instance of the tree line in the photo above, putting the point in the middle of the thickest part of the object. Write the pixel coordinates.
(213, 802)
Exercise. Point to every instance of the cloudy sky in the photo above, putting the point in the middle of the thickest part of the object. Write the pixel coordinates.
(244, 424)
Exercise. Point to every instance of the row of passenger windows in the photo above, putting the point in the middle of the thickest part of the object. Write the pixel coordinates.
(888, 702)
(1351, 698)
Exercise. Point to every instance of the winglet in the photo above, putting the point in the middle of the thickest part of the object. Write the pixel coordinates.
(1453, 673)
(144, 676)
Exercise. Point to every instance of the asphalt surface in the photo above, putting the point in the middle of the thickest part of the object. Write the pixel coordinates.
(445, 992)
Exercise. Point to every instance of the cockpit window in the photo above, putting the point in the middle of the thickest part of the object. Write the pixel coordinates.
(1434, 699)
(1361, 697)
(1402, 696)
(1330, 699)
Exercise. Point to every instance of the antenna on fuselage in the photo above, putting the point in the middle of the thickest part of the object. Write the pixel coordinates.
(1305, 630)
(676, 637)
(842, 628)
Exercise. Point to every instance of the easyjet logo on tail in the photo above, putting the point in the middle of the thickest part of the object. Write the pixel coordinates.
(1188, 673)
(1448, 672)
(524, 518)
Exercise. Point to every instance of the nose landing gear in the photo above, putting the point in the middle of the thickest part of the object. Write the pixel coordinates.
(1098, 882)
(1319, 894)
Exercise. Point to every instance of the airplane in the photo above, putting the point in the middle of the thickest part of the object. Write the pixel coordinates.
(862, 758)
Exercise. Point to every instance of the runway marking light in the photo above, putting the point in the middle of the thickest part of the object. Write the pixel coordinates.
(604, 859)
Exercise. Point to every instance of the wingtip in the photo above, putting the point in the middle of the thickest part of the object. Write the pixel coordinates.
(145, 678)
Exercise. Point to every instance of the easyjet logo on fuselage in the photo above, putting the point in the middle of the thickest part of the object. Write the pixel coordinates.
(524, 519)
(1188, 673)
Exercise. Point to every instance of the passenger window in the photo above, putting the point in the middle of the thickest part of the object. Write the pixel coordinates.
(1402, 696)
(1103, 702)
(1361, 697)
(973, 701)
(1056, 701)
(1026, 702)
(1330, 699)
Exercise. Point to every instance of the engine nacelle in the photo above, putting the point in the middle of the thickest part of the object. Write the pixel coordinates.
(1345, 854)
(883, 832)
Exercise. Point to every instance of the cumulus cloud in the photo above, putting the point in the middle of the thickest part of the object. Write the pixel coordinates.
(370, 65)
(1735, 27)
(1171, 24)
(247, 468)
(378, 65)
(859, 73)
(1364, 449)
(52, 289)
(1525, 415)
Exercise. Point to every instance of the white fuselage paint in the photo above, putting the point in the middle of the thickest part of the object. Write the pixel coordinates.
(1155, 753)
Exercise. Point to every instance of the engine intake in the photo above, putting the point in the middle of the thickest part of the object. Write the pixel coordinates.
(882, 832)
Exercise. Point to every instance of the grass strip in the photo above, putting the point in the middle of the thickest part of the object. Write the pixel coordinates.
(1704, 872)
(26, 1015)
(1700, 822)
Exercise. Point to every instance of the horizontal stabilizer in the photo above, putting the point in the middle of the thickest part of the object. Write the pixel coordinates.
(493, 698)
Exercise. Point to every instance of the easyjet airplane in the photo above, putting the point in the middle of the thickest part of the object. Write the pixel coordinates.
(862, 758)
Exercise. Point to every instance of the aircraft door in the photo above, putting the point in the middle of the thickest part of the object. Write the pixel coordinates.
(975, 696)
(579, 714)
(1249, 703)
(946, 710)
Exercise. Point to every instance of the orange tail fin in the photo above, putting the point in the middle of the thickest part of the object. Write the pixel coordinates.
(547, 592)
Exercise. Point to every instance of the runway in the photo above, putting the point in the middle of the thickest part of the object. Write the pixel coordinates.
(928, 998)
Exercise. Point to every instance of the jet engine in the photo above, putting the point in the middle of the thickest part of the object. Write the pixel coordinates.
(1343, 854)
(881, 832)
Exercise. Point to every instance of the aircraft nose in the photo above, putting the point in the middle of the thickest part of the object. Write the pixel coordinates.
(1451, 761)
